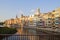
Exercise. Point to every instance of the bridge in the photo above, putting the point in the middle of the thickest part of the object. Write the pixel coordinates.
(41, 34)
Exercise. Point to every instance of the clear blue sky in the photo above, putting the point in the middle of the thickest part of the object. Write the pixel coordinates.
(9, 8)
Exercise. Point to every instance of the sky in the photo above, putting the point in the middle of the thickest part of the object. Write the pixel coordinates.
(10, 8)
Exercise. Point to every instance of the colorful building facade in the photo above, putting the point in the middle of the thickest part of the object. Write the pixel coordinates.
(49, 19)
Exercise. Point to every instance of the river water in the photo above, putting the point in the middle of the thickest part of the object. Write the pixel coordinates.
(29, 32)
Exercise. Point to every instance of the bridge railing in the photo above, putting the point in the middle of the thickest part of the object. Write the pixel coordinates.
(29, 37)
(18, 37)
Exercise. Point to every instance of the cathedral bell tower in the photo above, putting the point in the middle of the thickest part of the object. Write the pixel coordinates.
(37, 13)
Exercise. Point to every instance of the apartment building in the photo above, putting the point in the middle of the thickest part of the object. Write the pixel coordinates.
(49, 19)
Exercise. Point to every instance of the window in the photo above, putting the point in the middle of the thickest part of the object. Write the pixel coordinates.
(48, 21)
(49, 18)
(56, 22)
(56, 18)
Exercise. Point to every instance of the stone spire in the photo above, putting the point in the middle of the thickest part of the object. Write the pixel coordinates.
(16, 16)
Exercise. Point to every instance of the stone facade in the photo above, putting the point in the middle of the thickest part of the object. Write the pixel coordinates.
(49, 19)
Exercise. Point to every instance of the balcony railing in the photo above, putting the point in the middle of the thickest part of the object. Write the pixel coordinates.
(29, 37)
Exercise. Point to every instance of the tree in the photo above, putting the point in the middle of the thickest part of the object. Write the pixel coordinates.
(5, 30)
(1, 23)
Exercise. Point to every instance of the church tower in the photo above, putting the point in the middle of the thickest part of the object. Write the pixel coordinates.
(37, 12)
(16, 16)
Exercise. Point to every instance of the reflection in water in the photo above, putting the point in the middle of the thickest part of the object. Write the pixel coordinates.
(29, 35)
(29, 31)
(25, 31)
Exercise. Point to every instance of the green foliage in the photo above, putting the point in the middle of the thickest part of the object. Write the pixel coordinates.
(1, 23)
(5, 30)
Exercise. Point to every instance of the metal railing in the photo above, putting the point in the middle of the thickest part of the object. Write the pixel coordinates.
(29, 37)
(19, 37)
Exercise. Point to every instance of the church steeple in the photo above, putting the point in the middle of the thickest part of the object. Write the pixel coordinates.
(16, 16)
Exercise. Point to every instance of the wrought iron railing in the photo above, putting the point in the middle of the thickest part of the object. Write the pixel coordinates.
(29, 37)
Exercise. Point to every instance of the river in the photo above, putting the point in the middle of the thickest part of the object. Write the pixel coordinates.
(25, 32)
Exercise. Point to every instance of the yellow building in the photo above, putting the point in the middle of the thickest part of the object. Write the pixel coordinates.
(50, 18)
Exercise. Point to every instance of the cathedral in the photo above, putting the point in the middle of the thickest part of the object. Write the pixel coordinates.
(48, 19)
